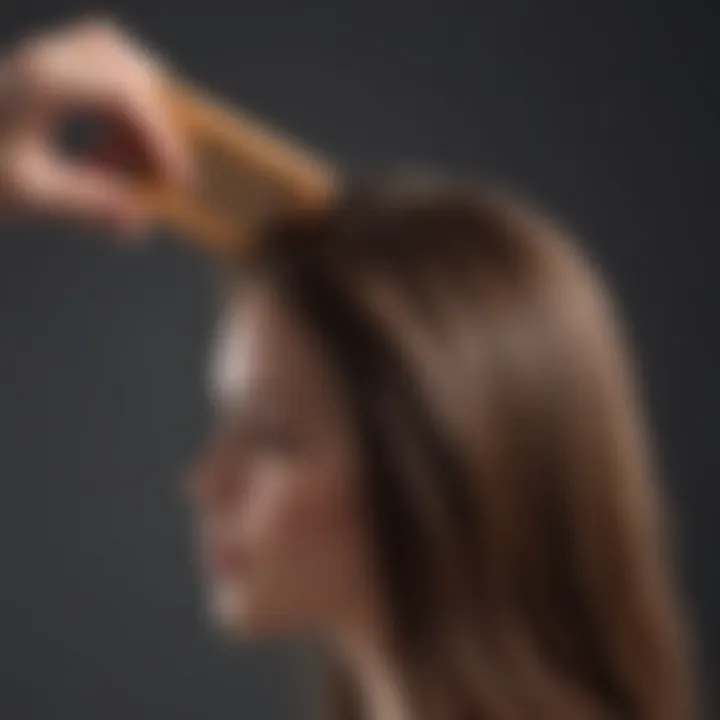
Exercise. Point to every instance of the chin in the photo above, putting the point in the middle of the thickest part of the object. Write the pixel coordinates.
(236, 613)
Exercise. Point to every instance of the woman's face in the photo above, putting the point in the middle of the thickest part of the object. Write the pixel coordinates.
(280, 523)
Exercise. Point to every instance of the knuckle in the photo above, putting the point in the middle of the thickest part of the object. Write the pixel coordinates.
(127, 87)
(135, 78)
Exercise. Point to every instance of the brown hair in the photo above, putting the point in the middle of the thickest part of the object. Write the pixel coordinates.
(509, 477)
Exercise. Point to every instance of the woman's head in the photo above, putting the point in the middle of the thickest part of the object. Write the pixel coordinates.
(428, 428)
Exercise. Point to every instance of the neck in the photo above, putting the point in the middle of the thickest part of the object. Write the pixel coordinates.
(363, 647)
(377, 680)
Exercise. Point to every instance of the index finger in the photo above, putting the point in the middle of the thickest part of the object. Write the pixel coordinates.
(142, 106)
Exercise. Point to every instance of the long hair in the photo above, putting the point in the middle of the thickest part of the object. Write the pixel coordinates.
(510, 478)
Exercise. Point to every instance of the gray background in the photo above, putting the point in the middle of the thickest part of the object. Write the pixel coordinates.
(605, 111)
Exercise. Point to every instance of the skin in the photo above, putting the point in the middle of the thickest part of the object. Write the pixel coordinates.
(96, 66)
(277, 491)
(280, 517)
(283, 538)
(282, 532)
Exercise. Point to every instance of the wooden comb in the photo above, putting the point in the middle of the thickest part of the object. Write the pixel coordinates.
(245, 174)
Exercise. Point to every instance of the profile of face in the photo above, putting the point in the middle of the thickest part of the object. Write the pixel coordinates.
(280, 523)
(427, 437)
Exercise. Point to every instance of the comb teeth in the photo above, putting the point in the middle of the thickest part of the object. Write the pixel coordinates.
(245, 175)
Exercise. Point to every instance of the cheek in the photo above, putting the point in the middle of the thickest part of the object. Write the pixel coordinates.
(304, 531)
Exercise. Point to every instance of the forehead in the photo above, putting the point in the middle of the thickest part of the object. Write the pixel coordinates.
(260, 341)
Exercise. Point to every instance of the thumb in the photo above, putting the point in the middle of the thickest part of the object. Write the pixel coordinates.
(76, 191)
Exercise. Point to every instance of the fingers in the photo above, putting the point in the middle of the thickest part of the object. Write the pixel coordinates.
(140, 107)
(91, 66)
(49, 187)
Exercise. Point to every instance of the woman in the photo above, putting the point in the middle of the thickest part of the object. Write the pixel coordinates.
(430, 454)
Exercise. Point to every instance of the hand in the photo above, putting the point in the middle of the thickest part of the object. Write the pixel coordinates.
(91, 66)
